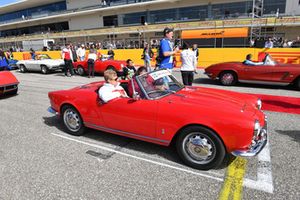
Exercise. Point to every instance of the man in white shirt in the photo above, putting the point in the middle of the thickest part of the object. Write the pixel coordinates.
(189, 65)
(111, 89)
(269, 43)
(81, 53)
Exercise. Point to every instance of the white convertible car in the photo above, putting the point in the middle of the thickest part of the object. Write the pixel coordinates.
(43, 63)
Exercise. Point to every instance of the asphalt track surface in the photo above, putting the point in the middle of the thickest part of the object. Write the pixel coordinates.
(38, 160)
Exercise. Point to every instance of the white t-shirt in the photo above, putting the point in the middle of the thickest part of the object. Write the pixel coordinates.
(81, 52)
(189, 60)
(108, 92)
(92, 56)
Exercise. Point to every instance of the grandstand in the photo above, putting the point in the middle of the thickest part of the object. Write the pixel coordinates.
(127, 23)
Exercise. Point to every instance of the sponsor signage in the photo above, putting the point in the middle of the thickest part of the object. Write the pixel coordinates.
(215, 33)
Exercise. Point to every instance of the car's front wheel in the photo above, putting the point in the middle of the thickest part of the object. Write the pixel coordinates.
(72, 120)
(80, 71)
(23, 68)
(228, 78)
(200, 148)
(297, 84)
(44, 69)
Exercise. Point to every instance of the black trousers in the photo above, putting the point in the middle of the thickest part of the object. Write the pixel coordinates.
(187, 77)
(91, 67)
(69, 67)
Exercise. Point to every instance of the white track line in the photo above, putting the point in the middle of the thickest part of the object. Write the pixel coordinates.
(138, 158)
(264, 173)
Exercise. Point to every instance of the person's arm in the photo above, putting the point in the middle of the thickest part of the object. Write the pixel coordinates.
(165, 48)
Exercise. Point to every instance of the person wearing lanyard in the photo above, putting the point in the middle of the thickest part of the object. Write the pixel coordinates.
(91, 61)
(166, 50)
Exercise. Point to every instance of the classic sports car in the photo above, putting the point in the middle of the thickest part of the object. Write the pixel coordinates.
(8, 83)
(270, 72)
(43, 63)
(100, 66)
(205, 124)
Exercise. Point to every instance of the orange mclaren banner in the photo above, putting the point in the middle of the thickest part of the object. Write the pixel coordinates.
(215, 33)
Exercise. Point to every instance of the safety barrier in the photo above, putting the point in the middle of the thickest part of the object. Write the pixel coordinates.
(207, 56)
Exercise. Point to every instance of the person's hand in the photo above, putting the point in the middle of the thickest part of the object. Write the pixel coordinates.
(176, 49)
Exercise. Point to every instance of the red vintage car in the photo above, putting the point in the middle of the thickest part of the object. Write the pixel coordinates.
(81, 67)
(268, 72)
(8, 83)
(204, 124)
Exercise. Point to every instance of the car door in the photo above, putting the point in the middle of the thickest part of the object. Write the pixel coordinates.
(33, 65)
(258, 73)
(283, 73)
(134, 117)
(99, 67)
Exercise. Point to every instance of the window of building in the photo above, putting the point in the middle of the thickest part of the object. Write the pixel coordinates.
(271, 6)
(110, 20)
(33, 12)
(134, 18)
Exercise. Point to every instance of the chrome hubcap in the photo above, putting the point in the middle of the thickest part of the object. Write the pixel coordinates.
(199, 147)
(227, 78)
(72, 120)
(80, 71)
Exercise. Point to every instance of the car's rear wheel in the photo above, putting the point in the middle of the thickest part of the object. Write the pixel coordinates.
(23, 68)
(72, 120)
(200, 148)
(228, 78)
(80, 71)
(44, 69)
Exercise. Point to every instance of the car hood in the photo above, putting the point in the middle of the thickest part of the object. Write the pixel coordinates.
(7, 78)
(220, 99)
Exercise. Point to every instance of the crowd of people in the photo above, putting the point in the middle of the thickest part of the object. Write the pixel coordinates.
(276, 42)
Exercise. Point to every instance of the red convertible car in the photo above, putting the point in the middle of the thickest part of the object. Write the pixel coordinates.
(204, 124)
(269, 72)
(8, 83)
(100, 66)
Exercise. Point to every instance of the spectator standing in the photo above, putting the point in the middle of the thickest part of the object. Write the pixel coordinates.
(111, 53)
(285, 44)
(3, 60)
(92, 57)
(166, 50)
(189, 65)
(9, 54)
(296, 43)
(129, 70)
(147, 55)
(269, 43)
(67, 56)
(32, 54)
(81, 53)
(74, 54)
(196, 50)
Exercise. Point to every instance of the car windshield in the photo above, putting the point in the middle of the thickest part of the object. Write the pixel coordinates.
(269, 60)
(43, 57)
(158, 84)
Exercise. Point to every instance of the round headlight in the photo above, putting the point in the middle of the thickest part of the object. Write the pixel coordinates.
(259, 104)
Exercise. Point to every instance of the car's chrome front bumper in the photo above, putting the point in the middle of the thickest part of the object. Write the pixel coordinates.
(257, 147)
(52, 111)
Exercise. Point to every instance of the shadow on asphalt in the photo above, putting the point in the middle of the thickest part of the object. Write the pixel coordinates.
(295, 135)
(168, 153)
(207, 81)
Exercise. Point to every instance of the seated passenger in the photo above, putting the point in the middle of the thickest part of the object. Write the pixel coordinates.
(133, 84)
(111, 89)
(129, 70)
(160, 85)
(248, 61)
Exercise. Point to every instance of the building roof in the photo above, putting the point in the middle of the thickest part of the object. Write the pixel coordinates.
(23, 4)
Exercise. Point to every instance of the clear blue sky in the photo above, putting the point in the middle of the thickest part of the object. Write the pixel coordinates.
(4, 2)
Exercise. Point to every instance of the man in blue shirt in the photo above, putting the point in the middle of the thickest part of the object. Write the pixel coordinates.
(166, 50)
(248, 61)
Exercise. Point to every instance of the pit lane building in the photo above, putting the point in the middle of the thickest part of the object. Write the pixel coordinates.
(129, 22)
